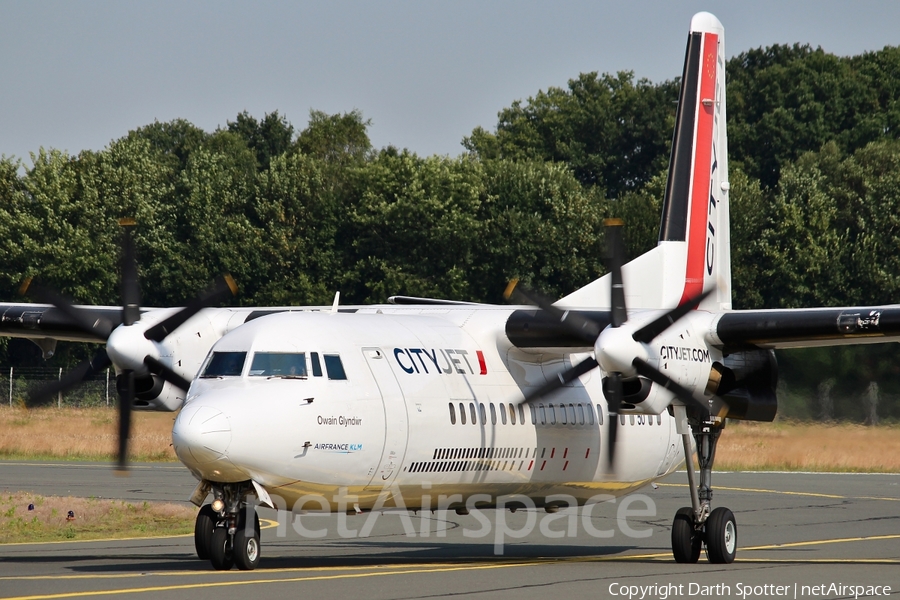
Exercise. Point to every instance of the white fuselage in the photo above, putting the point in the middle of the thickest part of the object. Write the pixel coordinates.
(402, 418)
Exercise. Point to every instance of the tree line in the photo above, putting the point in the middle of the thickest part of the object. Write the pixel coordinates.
(296, 215)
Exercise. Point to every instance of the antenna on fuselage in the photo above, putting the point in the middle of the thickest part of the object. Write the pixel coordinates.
(334, 305)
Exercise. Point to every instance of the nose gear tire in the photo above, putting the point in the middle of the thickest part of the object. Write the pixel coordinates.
(220, 550)
(203, 529)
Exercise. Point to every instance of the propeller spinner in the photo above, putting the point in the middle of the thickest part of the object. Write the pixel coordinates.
(620, 349)
(131, 347)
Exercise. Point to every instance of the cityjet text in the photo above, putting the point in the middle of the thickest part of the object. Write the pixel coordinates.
(684, 353)
(446, 361)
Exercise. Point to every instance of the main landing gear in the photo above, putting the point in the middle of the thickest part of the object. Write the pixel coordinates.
(698, 524)
(230, 536)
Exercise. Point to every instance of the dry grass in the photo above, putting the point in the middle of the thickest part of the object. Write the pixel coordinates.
(90, 434)
(83, 434)
(786, 446)
(94, 519)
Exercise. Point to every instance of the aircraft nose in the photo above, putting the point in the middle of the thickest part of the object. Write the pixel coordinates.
(201, 434)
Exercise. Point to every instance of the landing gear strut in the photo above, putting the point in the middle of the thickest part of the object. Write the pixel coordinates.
(229, 537)
(699, 524)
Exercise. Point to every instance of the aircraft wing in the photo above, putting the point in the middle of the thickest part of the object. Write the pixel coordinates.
(807, 327)
(44, 321)
(737, 329)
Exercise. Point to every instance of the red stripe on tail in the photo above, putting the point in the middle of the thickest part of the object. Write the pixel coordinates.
(693, 277)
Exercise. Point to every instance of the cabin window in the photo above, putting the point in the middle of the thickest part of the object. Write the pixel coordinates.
(278, 364)
(452, 414)
(462, 413)
(493, 414)
(590, 413)
(543, 414)
(334, 367)
(571, 413)
(502, 408)
(316, 365)
(599, 415)
(472, 413)
(225, 364)
(483, 413)
(512, 414)
(522, 414)
(552, 412)
(631, 418)
(622, 419)
(580, 414)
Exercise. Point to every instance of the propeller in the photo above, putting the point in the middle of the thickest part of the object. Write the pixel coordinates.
(620, 350)
(133, 350)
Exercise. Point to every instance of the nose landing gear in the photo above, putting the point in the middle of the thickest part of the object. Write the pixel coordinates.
(697, 524)
(229, 537)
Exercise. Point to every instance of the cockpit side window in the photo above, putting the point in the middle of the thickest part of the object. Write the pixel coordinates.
(278, 364)
(316, 365)
(334, 366)
(225, 364)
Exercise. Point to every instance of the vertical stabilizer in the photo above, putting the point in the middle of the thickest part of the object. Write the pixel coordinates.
(695, 207)
(693, 253)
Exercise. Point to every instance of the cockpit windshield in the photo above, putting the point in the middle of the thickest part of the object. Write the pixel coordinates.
(225, 364)
(278, 364)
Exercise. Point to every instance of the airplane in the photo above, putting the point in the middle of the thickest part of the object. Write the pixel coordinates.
(603, 391)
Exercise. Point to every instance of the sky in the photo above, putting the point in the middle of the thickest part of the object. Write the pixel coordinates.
(77, 75)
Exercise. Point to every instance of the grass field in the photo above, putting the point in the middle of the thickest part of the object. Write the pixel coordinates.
(785, 446)
(83, 434)
(92, 518)
(90, 434)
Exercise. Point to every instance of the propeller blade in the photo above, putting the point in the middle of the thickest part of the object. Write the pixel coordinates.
(158, 368)
(46, 394)
(561, 380)
(616, 250)
(580, 326)
(221, 288)
(99, 328)
(614, 404)
(130, 286)
(125, 387)
(715, 405)
(648, 332)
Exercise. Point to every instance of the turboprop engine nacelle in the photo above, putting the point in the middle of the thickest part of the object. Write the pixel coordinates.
(747, 381)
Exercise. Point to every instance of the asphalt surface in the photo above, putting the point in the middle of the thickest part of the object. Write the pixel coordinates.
(796, 531)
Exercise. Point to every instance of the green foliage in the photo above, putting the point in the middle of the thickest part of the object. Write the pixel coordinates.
(540, 225)
(268, 138)
(299, 215)
(339, 139)
(414, 226)
(787, 100)
(829, 235)
(613, 132)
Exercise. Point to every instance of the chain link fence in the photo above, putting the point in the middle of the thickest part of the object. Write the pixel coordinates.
(17, 383)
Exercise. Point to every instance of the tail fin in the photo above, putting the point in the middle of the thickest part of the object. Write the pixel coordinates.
(695, 208)
(694, 237)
